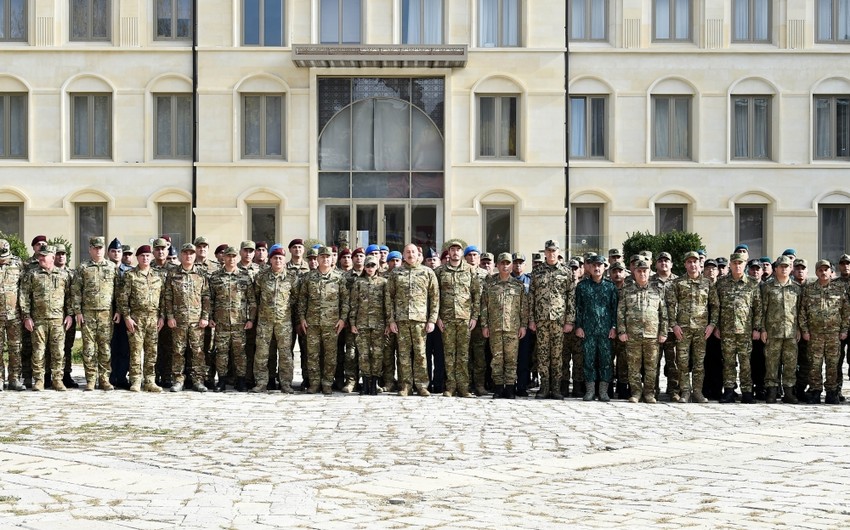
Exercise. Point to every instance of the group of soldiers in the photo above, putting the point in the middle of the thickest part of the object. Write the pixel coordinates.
(460, 322)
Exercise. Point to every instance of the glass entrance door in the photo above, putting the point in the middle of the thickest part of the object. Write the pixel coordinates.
(390, 223)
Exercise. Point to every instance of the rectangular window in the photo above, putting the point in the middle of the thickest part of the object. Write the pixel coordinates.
(263, 221)
(173, 19)
(588, 20)
(174, 222)
(832, 127)
(12, 219)
(751, 228)
(498, 124)
(499, 23)
(173, 131)
(587, 227)
(751, 127)
(263, 131)
(263, 22)
(13, 125)
(671, 127)
(588, 131)
(422, 21)
(91, 125)
(340, 21)
(833, 21)
(91, 222)
(91, 20)
(13, 20)
(751, 20)
(670, 218)
(497, 230)
(672, 20)
(834, 230)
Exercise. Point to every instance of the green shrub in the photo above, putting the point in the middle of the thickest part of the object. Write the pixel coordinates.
(676, 243)
(19, 248)
(60, 240)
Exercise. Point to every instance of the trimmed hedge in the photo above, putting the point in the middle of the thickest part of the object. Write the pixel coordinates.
(676, 243)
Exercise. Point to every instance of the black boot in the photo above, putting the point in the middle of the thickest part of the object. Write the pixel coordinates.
(241, 385)
(770, 395)
(832, 397)
(273, 384)
(789, 396)
(623, 391)
(508, 393)
(497, 392)
(69, 382)
(728, 395)
(373, 387)
(366, 386)
(221, 386)
(747, 397)
(813, 397)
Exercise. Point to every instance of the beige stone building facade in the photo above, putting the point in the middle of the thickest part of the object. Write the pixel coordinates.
(348, 121)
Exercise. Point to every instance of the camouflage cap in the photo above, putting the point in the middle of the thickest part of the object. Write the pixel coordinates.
(201, 240)
(372, 260)
(504, 256)
(596, 259)
(552, 244)
(737, 256)
(823, 263)
(754, 263)
(618, 265)
(801, 262)
(691, 255)
(647, 254)
(614, 252)
(783, 260)
(324, 251)
(588, 255)
(231, 251)
(160, 242)
(127, 249)
(455, 243)
(518, 256)
(664, 255)
(573, 264)
(635, 257)
(710, 263)
(536, 257)
(60, 248)
(642, 264)
(845, 258)
(312, 253)
(187, 247)
(487, 256)
(46, 250)
(97, 241)
(5, 249)
(247, 244)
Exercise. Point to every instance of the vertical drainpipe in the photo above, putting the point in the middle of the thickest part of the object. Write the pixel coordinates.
(194, 114)
(566, 121)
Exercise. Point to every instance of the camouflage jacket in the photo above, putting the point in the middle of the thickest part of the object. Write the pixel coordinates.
(10, 283)
(642, 311)
(740, 305)
(596, 307)
(252, 269)
(825, 308)
(552, 291)
(413, 293)
(692, 303)
(276, 296)
(297, 270)
(207, 267)
(232, 298)
(780, 307)
(504, 305)
(95, 286)
(45, 295)
(323, 298)
(141, 293)
(368, 302)
(460, 291)
(187, 296)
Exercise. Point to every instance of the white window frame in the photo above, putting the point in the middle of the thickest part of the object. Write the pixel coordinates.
(499, 101)
(262, 126)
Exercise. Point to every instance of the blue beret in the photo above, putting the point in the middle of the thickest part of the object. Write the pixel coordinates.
(384, 247)
(471, 248)
(372, 248)
(275, 247)
(789, 252)
(317, 247)
(742, 246)
(395, 254)
(701, 252)
(115, 244)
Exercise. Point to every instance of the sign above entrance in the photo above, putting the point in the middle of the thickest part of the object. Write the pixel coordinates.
(384, 55)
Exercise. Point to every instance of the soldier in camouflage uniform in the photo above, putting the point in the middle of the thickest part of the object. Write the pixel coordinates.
(10, 316)
(206, 266)
(233, 310)
(824, 314)
(459, 306)
(573, 352)
(617, 273)
(504, 317)
(413, 303)
(738, 325)
(164, 342)
(94, 289)
(322, 310)
(141, 303)
(692, 308)
(45, 301)
(780, 331)
(664, 276)
(187, 309)
(477, 358)
(596, 324)
(368, 322)
(297, 267)
(247, 251)
(347, 358)
(642, 325)
(553, 314)
(61, 262)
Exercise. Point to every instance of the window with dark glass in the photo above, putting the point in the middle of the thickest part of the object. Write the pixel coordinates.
(13, 20)
(91, 125)
(173, 128)
(263, 22)
(13, 125)
(173, 19)
(91, 20)
(832, 127)
(588, 131)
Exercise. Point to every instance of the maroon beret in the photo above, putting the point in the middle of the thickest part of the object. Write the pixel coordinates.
(261, 244)
(144, 249)
(277, 252)
(38, 239)
(219, 249)
(344, 252)
(295, 242)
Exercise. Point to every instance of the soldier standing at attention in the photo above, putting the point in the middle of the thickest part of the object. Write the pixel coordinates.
(434, 340)
(739, 323)
(596, 324)
(553, 314)
(664, 276)
(61, 263)
(477, 357)
(368, 323)
(322, 310)
(526, 343)
(46, 309)
(261, 254)
(141, 303)
(206, 267)
(617, 274)
(10, 316)
(780, 332)
(692, 309)
(120, 342)
(642, 325)
(187, 308)
(94, 289)
(843, 278)
(504, 317)
(161, 266)
(413, 303)
(347, 349)
(459, 307)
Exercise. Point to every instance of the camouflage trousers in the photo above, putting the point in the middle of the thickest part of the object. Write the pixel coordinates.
(573, 353)
(187, 334)
(247, 353)
(618, 350)
(143, 348)
(671, 370)
(411, 354)
(349, 358)
(597, 359)
(690, 359)
(370, 346)
(47, 335)
(477, 356)
(504, 345)
(824, 349)
(643, 354)
(280, 334)
(456, 340)
(737, 349)
(10, 336)
(550, 345)
(230, 343)
(780, 354)
(321, 355)
(389, 359)
(97, 335)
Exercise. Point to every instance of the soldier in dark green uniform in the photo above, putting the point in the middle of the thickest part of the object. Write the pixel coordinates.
(596, 324)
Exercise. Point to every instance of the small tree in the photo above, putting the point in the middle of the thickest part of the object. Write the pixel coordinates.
(60, 240)
(676, 243)
(19, 248)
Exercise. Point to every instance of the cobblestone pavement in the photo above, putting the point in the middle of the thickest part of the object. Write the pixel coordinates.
(120, 460)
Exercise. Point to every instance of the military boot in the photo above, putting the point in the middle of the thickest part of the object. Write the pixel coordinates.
(748, 397)
(832, 398)
(497, 391)
(789, 396)
(151, 386)
(37, 385)
(685, 397)
(423, 391)
(106, 385)
(449, 391)
(623, 390)
(57, 385)
(327, 389)
(221, 385)
(199, 387)
(590, 393)
(728, 395)
(813, 397)
(463, 391)
(404, 391)
(373, 387)
(698, 397)
(89, 385)
(241, 384)
(603, 392)
(16, 384)
(69, 382)
(136, 386)
(177, 386)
